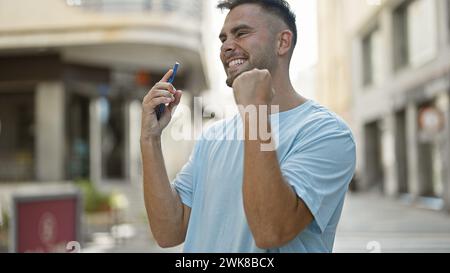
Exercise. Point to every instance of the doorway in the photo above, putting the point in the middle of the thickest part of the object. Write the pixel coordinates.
(373, 156)
(17, 136)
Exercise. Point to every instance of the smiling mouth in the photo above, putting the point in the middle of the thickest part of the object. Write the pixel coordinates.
(235, 64)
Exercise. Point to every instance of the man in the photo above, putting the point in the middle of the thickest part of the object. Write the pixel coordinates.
(233, 196)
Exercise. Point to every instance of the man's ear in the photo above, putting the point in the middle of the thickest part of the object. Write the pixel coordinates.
(284, 42)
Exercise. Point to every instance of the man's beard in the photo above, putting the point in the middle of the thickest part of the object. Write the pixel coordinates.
(262, 63)
(230, 79)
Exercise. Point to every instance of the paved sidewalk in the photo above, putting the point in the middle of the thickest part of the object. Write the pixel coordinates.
(372, 223)
(140, 240)
(369, 223)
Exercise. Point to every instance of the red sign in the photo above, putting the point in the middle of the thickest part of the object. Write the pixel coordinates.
(45, 223)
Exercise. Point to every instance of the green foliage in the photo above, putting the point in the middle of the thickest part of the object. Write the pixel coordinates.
(94, 200)
(5, 218)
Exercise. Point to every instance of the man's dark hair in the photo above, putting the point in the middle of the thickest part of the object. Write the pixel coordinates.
(279, 8)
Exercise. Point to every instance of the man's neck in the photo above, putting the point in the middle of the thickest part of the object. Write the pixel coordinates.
(285, 95)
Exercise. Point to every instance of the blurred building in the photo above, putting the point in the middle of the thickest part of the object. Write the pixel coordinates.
(72, 77)
(385, 67)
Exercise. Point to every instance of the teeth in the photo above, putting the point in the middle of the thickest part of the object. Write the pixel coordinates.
(237, 62)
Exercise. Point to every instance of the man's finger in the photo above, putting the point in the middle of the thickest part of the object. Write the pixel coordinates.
(177, 100)
(165, 85)
(167, 76)
(161, 93)
(156, 94)
(157, 101)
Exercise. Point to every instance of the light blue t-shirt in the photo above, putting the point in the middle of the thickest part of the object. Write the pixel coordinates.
(316, 152)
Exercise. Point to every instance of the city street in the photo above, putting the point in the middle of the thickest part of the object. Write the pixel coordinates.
(76, 77)
(370, 223)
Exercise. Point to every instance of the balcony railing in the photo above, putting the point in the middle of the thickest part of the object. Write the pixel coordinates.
(191, 8)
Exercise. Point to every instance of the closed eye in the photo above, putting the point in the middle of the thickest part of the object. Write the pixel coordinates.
(241, 33)
(237, 32)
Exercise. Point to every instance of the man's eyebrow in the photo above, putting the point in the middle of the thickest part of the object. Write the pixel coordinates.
(235, 29)
(240, 27)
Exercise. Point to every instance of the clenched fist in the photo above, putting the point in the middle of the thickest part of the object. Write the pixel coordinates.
(253, 88)
(162, 92)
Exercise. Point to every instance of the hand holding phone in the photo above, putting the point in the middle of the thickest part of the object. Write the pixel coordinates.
(160, 96)
(160, 108)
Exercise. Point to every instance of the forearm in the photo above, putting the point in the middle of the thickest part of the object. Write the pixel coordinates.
(164, 208)
(271, 206)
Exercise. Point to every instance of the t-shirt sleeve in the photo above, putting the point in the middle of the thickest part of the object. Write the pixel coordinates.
(319, 167)
(184, 181)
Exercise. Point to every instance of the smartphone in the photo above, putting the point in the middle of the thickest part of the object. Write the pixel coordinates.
(160, 108)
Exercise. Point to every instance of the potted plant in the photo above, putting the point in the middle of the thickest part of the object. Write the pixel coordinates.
(97, 207)
(4, 228)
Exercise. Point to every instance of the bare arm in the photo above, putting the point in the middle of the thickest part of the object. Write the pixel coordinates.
(167, 215)
(275, 214)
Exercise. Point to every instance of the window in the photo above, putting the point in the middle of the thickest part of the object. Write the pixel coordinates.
(112, 5)
(372, 57)
(448, 19)
(400, 31)
(168, 5)
(77, 136)
(422, 31)
(367, 61)
(17, 136)
(415, 33)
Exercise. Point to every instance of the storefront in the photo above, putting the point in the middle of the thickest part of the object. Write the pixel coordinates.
(63, 121)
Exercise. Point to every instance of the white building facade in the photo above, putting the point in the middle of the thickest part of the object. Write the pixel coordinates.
(72, 77)
(401, 99)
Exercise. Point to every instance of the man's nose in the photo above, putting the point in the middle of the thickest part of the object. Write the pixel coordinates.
(228, 47)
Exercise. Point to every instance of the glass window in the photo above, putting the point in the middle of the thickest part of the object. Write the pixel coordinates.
(372, 57)
(422, 31)
(400, 33)
(415, 33)
(17, 136)
(367, 60)
(448, 19)
(77, 127)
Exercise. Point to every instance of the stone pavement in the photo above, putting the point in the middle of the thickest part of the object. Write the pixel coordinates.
(140, 241)
(369, 223)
